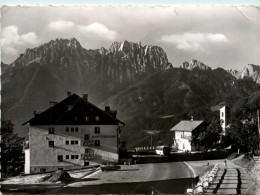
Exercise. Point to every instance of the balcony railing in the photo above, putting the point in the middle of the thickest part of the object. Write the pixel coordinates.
(87, 156)
(186, 137)
(87, 143)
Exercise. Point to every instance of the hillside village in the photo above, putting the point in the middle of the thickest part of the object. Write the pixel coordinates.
(80, 136)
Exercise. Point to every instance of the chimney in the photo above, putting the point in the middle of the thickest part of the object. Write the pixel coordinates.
(37, 112)
(191, 118)
(107, 108)
(85, 97)
(53, 103)
(68, 93)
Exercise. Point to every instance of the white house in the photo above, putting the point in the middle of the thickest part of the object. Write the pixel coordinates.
(184, 131)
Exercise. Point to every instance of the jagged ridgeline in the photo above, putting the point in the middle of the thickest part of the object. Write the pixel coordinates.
(136, 80)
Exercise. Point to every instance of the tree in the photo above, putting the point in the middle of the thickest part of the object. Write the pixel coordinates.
(210, 137)
(12, 157)
(243, 129)
(212, 134)
(122, 149)
(123, 145)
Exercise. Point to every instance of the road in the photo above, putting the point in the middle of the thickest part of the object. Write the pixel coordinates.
(168, 178)
(140, 173)
(172, 177)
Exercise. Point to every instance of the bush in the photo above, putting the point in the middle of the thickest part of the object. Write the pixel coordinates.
(12, 156)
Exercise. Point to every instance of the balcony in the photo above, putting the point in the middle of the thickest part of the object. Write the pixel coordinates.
(87, 156)
(87, 143)
(186, 137)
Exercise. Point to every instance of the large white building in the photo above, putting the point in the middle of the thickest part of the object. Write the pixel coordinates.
(184, 131)
(71, 134)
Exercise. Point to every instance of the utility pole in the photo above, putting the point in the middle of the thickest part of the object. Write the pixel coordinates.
(151, 132)
(258, 122)
(258, 125)
(151, 140)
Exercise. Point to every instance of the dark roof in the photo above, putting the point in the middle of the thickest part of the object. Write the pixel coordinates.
(60, 114)
(186, 125)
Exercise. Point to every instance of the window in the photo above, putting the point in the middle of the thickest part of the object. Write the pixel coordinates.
(60, 158)
(86, 137)
(42, 170)
(76, 129)
(76, 142)
(97, 118)
(74, 156)
(97, 142)
(51, 143)
(86, 163)
(97, 130)
(86, 118)
(67, 129)
(67, 156)
(67, 142)
(72, 142)
(72, 129)
(222, 114)
(51, 130)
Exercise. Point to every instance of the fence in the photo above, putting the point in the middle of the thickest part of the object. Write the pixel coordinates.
(207, 179)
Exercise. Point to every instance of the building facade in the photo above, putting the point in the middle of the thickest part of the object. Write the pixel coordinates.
(224, 118)
(184, 131)
(71, 134)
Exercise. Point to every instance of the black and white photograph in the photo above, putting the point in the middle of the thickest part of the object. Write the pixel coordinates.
(130, 100)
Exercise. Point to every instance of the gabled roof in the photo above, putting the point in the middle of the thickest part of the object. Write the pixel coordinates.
(186, 125)
(72, 111)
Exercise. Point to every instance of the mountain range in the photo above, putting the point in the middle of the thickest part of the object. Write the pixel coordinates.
(250, 71)
(136, 80)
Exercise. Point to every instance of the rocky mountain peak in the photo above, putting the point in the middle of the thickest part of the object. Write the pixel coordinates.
(251, 71)
(124, 47)
(121, 46)
(50, 50)
(103, 51)
(137, 58)
(234, 73)
(195, 64)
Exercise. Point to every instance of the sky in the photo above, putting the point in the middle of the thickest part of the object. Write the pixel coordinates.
(227, 37)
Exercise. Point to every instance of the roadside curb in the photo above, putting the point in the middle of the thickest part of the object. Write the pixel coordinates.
(92, 172)
(191, 169)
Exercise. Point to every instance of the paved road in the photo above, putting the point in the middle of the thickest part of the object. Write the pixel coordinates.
(168, 178)
(230, 180)
(140, 173)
